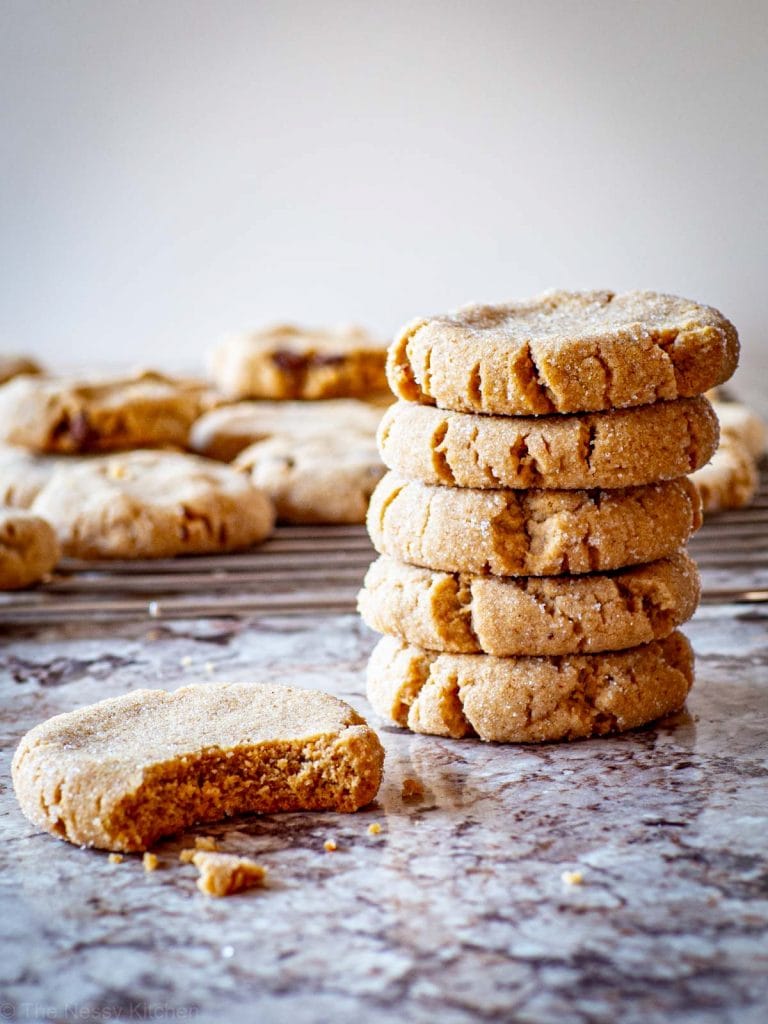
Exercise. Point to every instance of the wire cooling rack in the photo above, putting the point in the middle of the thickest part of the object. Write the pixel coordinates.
(318, 570)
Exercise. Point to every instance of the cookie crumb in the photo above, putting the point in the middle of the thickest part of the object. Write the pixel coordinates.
(150, 861)
(412, 789)
(186, 661)
(374, 828)
(222, 874)
(572, 877)
(206, 843)
(330, 845)
(115, 858)
(185, 856)
(210, 667)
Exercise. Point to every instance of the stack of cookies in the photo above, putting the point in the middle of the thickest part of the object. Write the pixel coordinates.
(531, 529)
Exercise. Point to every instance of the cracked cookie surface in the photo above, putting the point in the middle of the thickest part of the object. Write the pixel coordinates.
(287, 361)
(29, 549)
(621, 448)
(150, 504)
(529, 700)
(564, 352)
(462, 613)
(530, 533)
(61, 415)
(120, 774)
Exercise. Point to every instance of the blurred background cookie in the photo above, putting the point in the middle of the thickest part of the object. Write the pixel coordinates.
(29, 549)
(65, 415)
(153, 504)
(287, 361)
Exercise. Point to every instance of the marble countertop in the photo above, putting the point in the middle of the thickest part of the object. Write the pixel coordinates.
(456, 911)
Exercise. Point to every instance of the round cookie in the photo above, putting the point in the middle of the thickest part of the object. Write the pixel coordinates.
(150, 504)
(120, 774)
(564, 352)
(223, 433)
(13, 366)
(741, 423)
(622, 448)
(506, 617)
(286, 361)
(29, 549)
(529, 700)
(69, 415)
(730, 480)
(327, 479)
(530, 533)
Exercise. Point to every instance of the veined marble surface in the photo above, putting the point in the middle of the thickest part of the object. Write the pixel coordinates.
(456, 911)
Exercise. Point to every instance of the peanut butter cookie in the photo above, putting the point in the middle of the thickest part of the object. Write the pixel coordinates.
(622, 448)
(152, 504)
(564, 352)
(286, 361)
(530, 533)
(223, 433)
(120, 774)
(462, 613)
(326, 479)
(730, 480)
(529, 700)
(29, 549)
(66, 416)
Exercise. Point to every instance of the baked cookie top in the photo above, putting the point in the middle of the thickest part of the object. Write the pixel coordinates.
(323, 479)
(620, 448)
(529, 700)
(65, 415)
(550, 615)
(564, 352)
(287, 361)
(121, 773)
(224, 432)
(153, 504)
(530, 533)
(29, 549)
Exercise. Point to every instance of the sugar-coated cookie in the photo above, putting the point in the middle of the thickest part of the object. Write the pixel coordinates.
(468, 614)
(530, 533)
(122, 773)
(564, 352)
(287, 361)
(529, 700)
(621, 448)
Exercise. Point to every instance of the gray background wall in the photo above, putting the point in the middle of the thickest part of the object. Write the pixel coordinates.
(173, 170)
